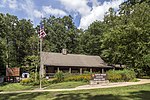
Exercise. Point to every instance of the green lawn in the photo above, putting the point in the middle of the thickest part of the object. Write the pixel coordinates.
(65, 85)
(17, 86)
(137, 92)
(14, 87)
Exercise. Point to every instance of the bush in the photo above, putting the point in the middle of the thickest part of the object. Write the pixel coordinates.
(25, 81)
(67, 74)
(53, 81)
(121, 75)
(59, 76)
(87, 72)
(145, 77)
(83, 77)
(32, 76)
(113, 76)
(128, 75)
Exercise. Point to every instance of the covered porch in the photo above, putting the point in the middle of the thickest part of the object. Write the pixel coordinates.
(51, 70)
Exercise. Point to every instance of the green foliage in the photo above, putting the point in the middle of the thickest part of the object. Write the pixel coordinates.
(14, 36)
(114, 76)
(83, 77)
(59, 76)
(87, 72)
(67, 74)
(90, 40)
(25, 81)
(34, 76)
(61, 33)
(121, 75)
(33, 80)
(145, 77)
(128, 75)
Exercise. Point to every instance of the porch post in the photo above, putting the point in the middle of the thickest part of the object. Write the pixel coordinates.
(91, 70)
(69, 69)
(80, 70)
(57, 69)
(102, 70)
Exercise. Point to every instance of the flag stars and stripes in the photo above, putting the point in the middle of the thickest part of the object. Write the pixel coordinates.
(42, 33)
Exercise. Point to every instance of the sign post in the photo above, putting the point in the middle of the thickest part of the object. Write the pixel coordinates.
(98, 79)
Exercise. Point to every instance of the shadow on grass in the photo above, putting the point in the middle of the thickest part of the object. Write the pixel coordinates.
(46, 96)
(140, 95)
(3, 84)
(19, 96)
(86, 96)
(143, 95)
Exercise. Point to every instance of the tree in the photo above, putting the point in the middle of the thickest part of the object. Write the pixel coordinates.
(90, 40)
(14, 36)
(127, 40)
(61, 33)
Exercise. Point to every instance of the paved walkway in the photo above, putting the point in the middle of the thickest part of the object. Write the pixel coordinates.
(85, 87)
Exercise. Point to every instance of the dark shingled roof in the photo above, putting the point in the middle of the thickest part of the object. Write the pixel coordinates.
(77, 60)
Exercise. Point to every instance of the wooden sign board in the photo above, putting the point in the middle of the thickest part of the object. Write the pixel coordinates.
(13, 71)
(99, 77)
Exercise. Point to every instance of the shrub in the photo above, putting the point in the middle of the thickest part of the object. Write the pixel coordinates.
(25, 81)
(145, 77)
(128, 75)
(113, 76)
(32, 76)
(87, 72)
(83, 77)
(139, 72)
(53, 80)
(59, 76)
(121, 75)
(67, 74)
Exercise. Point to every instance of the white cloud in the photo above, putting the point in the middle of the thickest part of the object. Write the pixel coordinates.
(77, 6)
(2, 4)
(28, 7)
(89, 14)
(12, 4)
(95, 3)
(97, 13)
(38, 14)
(52, 11)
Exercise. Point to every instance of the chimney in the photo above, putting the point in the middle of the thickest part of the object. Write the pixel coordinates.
(64, 51)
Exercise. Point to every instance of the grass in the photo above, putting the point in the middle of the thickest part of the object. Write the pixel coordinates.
(137, 92)
(18, 86)
(14, 87)
(65, 85)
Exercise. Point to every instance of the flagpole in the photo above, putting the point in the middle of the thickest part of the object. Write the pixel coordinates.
(41, 63)
(42, 34)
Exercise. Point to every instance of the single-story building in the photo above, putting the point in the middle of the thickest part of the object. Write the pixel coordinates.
(72, 63)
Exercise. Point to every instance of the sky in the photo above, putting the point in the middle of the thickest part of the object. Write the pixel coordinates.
(84, 12)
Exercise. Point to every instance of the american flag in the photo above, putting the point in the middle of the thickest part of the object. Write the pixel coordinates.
(42, 33)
